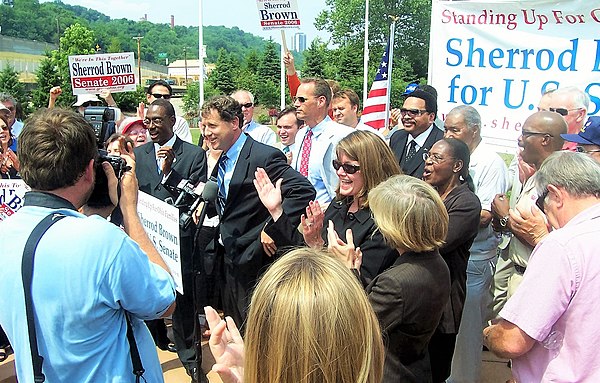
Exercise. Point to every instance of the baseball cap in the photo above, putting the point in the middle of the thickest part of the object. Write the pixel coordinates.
(589, 134)
(83, 98)
(129, 122)
(3, 108)
(410, 88)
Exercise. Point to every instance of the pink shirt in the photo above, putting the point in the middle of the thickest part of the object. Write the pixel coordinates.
(559, 299)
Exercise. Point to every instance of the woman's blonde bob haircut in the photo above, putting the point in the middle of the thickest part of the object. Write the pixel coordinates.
(310, 322)
(376, 159)
(409, 213)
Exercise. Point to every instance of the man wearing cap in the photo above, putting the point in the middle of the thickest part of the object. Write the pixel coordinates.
(588, 139)
(419, 134)
(162, 89)
(260, 133)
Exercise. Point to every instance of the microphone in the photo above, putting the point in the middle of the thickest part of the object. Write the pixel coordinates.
(209, 195)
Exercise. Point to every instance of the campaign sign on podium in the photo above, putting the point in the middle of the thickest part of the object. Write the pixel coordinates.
(161, 222)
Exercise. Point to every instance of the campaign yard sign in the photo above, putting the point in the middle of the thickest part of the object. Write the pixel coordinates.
(501, 56)
(161, 223)
(278, 14)
(111, 71)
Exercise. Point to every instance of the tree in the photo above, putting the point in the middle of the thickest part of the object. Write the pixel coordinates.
(314, 59)
(9, 83)
(47, 77)
(269, 67)
(225, 72)
(345, 21)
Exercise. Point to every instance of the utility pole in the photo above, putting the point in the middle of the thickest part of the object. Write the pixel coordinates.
(185, 63)
(138, 38)
(58, 34)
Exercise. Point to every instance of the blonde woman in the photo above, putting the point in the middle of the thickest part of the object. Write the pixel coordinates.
(309, 321)
(410, 296)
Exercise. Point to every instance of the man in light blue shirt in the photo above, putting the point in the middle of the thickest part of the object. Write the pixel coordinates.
(88, 273)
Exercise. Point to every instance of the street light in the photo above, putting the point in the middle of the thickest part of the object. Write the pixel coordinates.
(138, 38)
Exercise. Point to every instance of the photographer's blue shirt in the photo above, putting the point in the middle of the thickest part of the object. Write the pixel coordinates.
(85, 271)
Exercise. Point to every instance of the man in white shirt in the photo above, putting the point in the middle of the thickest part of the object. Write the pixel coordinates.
(315, 145)
(488, 172)
(260, 133)
(344, 105)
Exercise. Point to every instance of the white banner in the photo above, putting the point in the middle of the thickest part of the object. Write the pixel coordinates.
(112, 71)
(501, 56)
(11, 196)
(161, 222)
(278, 14)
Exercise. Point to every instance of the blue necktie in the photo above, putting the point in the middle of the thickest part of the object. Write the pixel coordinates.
(222, 195)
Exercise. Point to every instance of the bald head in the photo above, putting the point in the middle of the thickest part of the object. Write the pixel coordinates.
(551, 123)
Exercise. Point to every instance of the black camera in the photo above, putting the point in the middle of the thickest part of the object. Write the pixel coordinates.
(102, 120)
(100, 196)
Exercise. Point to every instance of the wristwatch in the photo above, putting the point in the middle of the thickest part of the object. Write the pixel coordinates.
(504, 220)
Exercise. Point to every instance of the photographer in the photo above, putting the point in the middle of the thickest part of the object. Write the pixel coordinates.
(89, 276)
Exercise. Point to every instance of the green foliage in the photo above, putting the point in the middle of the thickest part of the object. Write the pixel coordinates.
(223, 76)
(29, 19)
(129, 101)
(344, 19)
(9, 83)
(314, 59)
(191, 98)
(47, 77)
(269, 67)
(268, 94)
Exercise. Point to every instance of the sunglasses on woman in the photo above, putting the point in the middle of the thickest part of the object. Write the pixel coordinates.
(348, 168)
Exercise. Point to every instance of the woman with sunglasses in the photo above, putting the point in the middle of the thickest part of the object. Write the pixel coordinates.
(447, 170)
(363, 161)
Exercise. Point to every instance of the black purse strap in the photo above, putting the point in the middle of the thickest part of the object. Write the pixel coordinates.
(27, 276)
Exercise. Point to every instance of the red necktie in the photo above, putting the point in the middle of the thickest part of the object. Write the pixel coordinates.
(304, 157)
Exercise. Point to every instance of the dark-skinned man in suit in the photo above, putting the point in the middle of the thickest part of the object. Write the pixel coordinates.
(237, 249)
(419, 134)
(168, 159)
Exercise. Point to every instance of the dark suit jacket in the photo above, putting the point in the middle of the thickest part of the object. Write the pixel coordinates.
(464, 210)
(408, 300)
(416, 165)
(189, 163)
(244, 216)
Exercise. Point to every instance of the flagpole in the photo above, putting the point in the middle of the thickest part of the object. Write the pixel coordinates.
(390, 60)
(282, 88)
(366, 54)
(200, 57)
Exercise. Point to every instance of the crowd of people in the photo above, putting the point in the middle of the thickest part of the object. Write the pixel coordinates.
(335, 252)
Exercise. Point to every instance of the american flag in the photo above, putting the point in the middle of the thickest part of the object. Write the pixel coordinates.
(374, 113)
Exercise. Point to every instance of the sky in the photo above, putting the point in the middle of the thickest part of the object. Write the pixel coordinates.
(230, 13)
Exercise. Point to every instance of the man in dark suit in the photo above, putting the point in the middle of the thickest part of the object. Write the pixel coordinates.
(237, 247)
(419, 133)
(169, 159)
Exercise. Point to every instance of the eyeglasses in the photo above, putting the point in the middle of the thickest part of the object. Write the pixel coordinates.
(348, 168)
(563, 111)
(248, 105)
(580, 149)
(301, 99)
(91, 103)
(136, 132)
(539, 202)
(527, 133)
(158, 95)
(435, 158)
(412, 112)
(157, 121)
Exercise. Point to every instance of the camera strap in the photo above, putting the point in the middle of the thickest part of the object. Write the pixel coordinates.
(27, 275)
(27, 265)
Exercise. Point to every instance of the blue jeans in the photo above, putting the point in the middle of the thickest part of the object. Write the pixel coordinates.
(466, 363)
